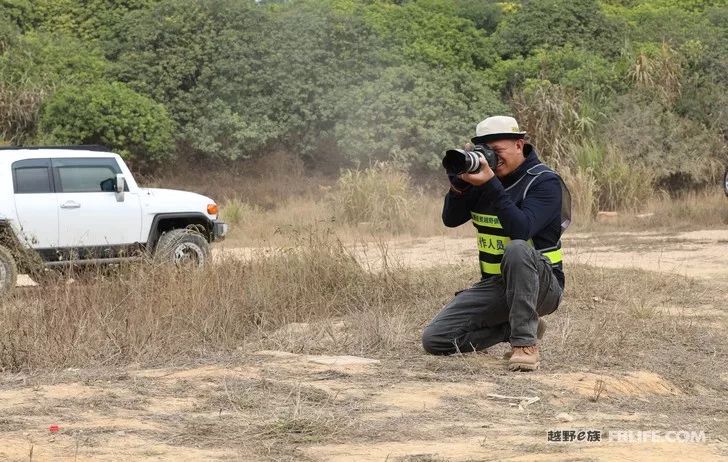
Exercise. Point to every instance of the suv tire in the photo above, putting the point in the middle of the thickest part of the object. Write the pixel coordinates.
(183, 247)
(8, 272)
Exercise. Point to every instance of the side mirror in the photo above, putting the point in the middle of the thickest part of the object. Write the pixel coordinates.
(119, 187)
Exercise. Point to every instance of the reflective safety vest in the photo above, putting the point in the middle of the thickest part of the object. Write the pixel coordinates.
(492, 239)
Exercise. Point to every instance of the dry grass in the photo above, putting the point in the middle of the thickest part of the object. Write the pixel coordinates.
(601, 180)
(361, 206)
(308, 274)
(265, 201)
(379, 203)
(256, 226)
(617, 317)
(157, 313)
(267, 183)
(380, 196)
(19, 108)
(314, 296)
(691, 211)
(610, 319)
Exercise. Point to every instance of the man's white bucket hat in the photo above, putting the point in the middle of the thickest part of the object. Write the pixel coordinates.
(497, 128)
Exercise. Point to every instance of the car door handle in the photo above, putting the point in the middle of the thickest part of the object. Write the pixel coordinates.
(71, 205)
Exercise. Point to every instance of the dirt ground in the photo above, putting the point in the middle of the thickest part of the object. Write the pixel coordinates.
(403, 406)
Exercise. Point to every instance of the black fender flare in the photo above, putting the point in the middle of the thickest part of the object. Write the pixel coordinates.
(154, 232)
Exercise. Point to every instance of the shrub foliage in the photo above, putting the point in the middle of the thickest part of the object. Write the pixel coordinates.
(351, 82)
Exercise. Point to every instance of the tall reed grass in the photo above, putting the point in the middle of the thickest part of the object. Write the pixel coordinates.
(381, 196)
(600, 179)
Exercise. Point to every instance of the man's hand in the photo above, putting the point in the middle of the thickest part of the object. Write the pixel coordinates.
(479, 178)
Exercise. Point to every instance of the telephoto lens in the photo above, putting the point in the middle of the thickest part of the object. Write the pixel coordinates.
(459, 161)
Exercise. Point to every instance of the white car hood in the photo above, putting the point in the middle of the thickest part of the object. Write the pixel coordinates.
(171, 200)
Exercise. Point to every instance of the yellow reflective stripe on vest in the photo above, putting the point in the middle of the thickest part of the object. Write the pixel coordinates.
(494, 245)
(490, 268)
(490, 221)
(554, 256)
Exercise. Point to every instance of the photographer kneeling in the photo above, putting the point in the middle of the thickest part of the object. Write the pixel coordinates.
(520, 208)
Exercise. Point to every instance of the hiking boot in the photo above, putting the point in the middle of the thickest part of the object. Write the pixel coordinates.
(524, 358)
(540, 330)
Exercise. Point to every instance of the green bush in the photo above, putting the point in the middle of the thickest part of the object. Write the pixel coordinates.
(51, 59)
(87, 20)
(16, 12)
(557, 23)
(672, 21)
(485, 15)
(32, 66)
(349, 82)
(8, 34)
(239, 77)
(218, 132)
(574, 68)
(430, 32)
(112, 115)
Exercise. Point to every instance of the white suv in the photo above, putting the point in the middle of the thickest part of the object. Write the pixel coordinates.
(79, 205)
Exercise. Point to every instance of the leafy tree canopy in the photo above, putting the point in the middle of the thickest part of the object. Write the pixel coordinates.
(112, 115)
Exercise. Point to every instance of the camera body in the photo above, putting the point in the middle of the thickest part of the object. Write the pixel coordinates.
(459, 161)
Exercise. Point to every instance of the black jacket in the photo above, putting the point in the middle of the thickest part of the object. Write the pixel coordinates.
(536, 217)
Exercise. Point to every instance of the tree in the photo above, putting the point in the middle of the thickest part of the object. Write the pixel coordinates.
(16, 12)
(34, 66)
(228, 66)
(112, 115)
(51, 59)
(569, 66)
(430, 32)
(483, 13)
(542, 23)
(88, 20)
(412, 114)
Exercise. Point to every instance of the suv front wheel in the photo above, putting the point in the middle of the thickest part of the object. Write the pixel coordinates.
(8, 272)
(184, 248)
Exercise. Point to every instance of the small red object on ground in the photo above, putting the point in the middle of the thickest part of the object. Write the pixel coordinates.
(54, 428)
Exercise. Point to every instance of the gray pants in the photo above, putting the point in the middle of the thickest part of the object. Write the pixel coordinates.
(497, 309)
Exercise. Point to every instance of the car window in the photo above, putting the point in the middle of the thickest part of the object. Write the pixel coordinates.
(85, 175)
(32, 180)
(85, 179)
(32, 176)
